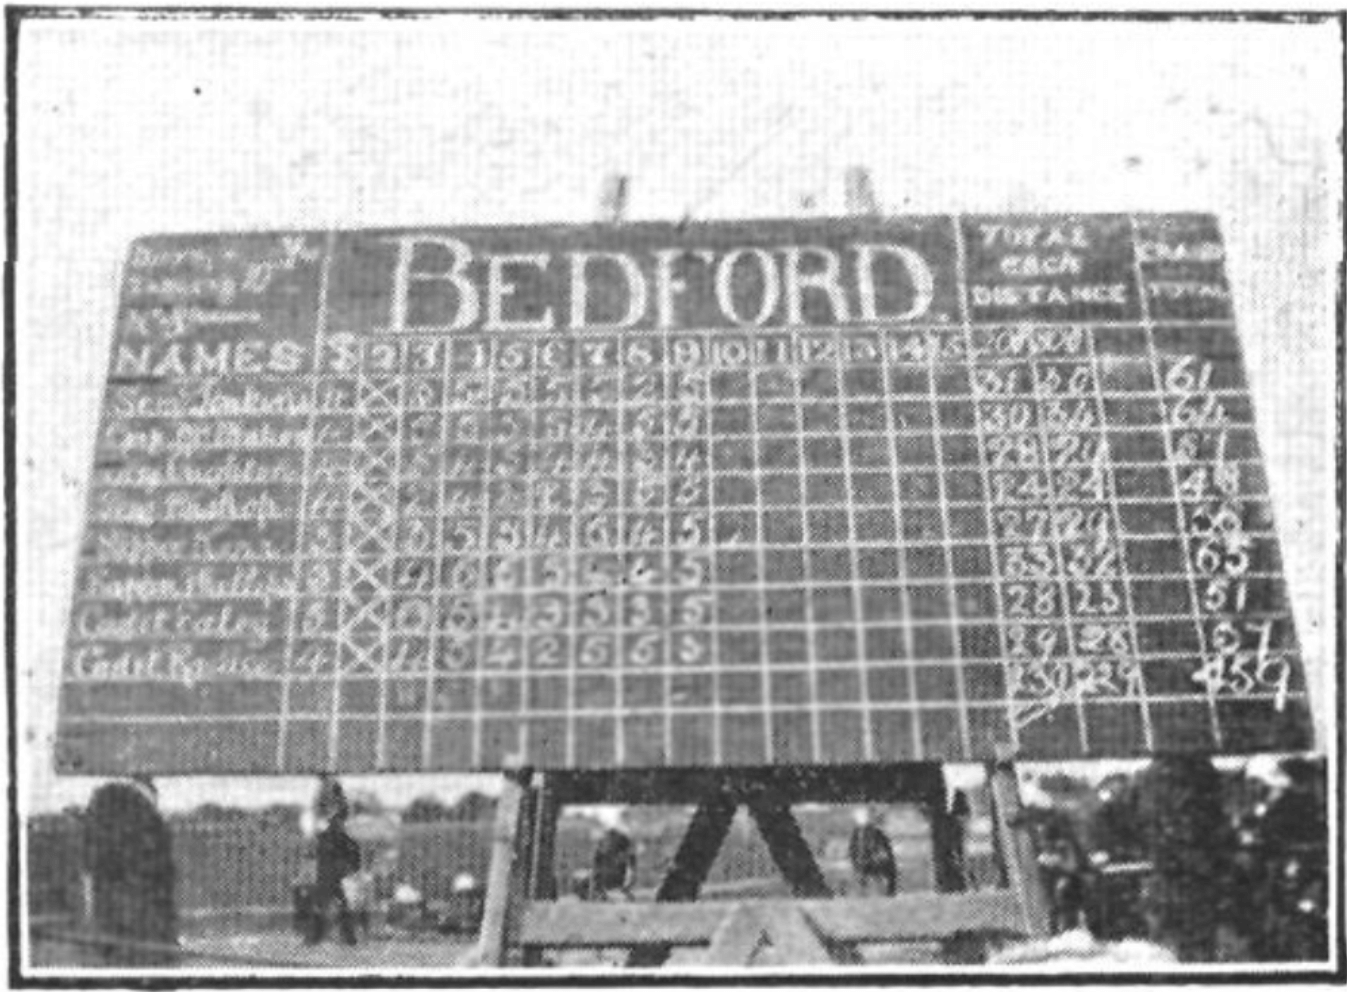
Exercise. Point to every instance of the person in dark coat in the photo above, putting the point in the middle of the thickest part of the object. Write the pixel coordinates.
(330, 800)
(1064, 866)
(337, 855)
(871, 857)
(128, 857)
(614, 868)
(949, 830)
(1190, 845)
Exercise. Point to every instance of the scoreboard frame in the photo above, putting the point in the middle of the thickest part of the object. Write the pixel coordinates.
(732, 494)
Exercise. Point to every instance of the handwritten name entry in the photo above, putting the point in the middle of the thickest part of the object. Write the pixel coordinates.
(712, 494)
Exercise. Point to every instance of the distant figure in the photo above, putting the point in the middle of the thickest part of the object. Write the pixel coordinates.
(329, 801)
(1190, 847)
(871, 856)
(1290, 887)
(614, 869)
(1064, 866)
(949, 829)
(358, 887)
(467, 903)
(1295, 815)
(302, 890)
(128, 854)
(338, 856)
(407, 905)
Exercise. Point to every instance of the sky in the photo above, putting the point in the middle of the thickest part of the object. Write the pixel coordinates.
(132, 126)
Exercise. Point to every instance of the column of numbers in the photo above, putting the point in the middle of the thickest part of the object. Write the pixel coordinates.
(506, 534)
(324, 511)
(1037, 632)
(690, 574)
(552, 481)
(415, 580)
(1224, 507)
(462, 490)
(736, 481)
(643, 611)
(599, 564)
(1076, 455)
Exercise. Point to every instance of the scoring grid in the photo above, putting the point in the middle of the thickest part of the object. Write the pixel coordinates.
(915, 632)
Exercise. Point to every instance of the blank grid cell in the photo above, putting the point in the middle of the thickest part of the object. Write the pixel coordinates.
(1029, 509)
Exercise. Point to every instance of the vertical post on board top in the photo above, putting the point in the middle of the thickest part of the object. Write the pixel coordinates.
(613, 198)
(859, 192)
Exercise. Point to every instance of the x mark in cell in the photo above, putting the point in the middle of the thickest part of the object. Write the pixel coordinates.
(369, 517)
(378, 395)
(360, 654)
(368, 616)
(357, 570)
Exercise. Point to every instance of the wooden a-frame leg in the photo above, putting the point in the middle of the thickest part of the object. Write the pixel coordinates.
(691, 864)
(788, 848)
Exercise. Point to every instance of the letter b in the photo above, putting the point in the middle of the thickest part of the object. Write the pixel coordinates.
(468, 304)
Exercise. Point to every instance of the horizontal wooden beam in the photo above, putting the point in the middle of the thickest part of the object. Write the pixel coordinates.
(588, 924)
(915, 917)
(903, 782)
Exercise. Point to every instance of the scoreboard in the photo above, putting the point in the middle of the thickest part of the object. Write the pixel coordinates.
(706, 494)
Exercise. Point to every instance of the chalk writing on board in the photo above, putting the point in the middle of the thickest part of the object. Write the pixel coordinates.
(734, 494)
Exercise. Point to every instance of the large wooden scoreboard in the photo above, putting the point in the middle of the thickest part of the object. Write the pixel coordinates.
(654, 495)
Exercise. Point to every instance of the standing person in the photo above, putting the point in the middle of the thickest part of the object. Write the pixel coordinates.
(1291, 922)
(338, 855)
(614, 868)
(329, 801)
(1189, 845)
(949, 829)
(128, 855)
(1064, 866)
(871, 856)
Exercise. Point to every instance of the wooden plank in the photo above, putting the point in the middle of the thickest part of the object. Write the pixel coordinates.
(915, 917)
(509, 861)
(774, 933)
(543, 873)
(793, 938)
(698, 849)
(741, 934)
(787, 845)
(918, 781)
(589, 924)
(656, 786)
(1017, 849)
